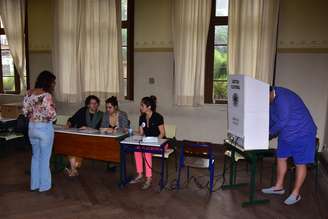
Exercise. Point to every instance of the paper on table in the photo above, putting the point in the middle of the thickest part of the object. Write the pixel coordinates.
(136, 138)
(149, 139)
(89, 131)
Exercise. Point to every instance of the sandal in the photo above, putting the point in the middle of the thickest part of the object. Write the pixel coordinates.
(71, 173)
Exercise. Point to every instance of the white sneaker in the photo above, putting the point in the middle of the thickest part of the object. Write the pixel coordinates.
(146, 185)
(292, 199)
(273, 191)
(137, 179)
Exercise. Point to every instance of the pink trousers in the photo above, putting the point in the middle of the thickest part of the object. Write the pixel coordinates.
(139, 163)
(139, 157)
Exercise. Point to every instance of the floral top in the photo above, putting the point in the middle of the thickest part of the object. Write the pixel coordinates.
(39, 108)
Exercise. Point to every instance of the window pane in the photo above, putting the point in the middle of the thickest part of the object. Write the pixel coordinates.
(1, 24)
(125, 69)
(124, 9)
(220, 73)
(125, 86)
(220, 90)
(8, 83)
(7, 63)
(221, 7)
(221, 35)
(124, 37)
(4, 42)
(124, 53)
(220, 63)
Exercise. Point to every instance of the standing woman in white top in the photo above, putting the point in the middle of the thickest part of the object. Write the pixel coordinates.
(39, 108)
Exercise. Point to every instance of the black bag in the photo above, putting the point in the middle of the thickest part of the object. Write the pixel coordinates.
(22, 124)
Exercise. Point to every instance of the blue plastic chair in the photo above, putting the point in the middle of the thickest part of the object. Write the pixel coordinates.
(197, 150)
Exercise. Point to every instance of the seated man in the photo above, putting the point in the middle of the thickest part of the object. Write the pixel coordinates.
(87, 117)
(292, 122)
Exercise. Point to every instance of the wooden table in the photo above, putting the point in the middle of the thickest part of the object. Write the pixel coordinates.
(96, 146)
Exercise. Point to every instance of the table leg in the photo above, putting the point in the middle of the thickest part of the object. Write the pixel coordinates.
(123, 178)
(232, 166)
(162, 170)
(252, 192)
(232, 181)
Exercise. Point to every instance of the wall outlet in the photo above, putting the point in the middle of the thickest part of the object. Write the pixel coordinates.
(151, 80)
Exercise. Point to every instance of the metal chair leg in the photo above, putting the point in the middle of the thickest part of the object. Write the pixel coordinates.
(178, 177)
(224, 166)
(188, 174)
(167, 171)
(211, 175)
(175, 159)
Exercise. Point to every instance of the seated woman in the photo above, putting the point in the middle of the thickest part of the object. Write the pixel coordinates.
(151, 123)
(114, 119)
(88, 116)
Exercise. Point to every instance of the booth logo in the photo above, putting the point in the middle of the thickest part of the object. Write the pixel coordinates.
(235, 99)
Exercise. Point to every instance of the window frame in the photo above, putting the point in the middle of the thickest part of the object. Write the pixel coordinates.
(16, 75)
(209, 59)
(129, 25)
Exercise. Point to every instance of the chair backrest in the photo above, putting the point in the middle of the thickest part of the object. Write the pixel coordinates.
(170, 130)
(62, 119)
(199, 149)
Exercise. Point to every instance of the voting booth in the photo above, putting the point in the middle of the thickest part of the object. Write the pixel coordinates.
(248, 112)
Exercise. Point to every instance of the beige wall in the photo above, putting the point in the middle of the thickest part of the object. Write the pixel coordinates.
(153, 24)
(303, 56)
(40, 25)
(302, 25)
(306, 74)
(40, 31)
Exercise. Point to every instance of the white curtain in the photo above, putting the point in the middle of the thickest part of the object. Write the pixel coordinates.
(87, 49)
(191, 20)
(12, 13)
(252, 37)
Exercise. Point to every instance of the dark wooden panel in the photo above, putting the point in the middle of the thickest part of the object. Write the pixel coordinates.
(92, 147)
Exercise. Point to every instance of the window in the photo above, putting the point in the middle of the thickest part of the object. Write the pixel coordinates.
(9, 77)
(127, 7)
(9, 82)
(217, 53)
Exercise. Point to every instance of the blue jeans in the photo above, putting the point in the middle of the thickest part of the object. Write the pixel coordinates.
(41, 136)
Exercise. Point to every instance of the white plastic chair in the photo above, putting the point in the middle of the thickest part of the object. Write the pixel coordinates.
(62, 119)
